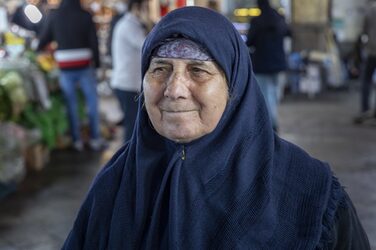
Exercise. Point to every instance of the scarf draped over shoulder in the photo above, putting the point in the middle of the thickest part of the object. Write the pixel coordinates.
(239, 187)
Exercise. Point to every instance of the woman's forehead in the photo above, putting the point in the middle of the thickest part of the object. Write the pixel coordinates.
(180, 60)
(186, 62)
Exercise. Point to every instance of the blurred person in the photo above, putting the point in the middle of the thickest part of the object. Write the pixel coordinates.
(120, 9)
(213, 4)
(129, 35)
(354, 59)
(26, 20)
(204, 169)
(369, 29)
(77, 56)
(265, 39)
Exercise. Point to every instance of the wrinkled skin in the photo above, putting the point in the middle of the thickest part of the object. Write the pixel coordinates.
(185, 99)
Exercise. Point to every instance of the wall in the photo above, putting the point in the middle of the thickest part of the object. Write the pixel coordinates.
(348, 18)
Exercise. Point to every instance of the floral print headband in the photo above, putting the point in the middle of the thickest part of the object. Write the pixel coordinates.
(182, 48)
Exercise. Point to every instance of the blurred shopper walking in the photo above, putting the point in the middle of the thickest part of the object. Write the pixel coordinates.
(265, 39)
(127, 41)
(77, 56)
(370, 65)
(120, 8)
(30, 15)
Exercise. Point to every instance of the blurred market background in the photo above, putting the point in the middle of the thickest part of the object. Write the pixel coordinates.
(43, 181)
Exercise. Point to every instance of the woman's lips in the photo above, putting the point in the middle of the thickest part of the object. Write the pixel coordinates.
(178, 111)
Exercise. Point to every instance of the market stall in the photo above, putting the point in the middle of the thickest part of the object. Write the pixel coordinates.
(32, 111)
(33, 119)
(30, 104)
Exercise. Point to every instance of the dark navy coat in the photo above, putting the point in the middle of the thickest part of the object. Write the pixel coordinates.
(265, 39)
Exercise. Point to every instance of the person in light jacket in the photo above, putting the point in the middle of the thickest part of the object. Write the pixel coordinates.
(128, 38)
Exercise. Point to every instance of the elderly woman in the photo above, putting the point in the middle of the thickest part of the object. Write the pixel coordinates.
(203, 169)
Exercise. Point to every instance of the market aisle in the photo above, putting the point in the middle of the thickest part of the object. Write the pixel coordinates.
(40, 214)
(323, 127)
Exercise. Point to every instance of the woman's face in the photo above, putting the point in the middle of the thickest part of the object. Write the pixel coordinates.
(184, 98)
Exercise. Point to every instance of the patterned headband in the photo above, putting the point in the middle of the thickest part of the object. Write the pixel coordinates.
(182, 48)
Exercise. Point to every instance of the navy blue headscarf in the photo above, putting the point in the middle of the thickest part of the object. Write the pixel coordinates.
(239, 187)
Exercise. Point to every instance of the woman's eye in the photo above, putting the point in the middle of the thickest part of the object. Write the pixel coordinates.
(198, 71)
(159, 70)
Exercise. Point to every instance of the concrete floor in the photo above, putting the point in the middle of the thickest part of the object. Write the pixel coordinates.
(323, 127)
(39, 215)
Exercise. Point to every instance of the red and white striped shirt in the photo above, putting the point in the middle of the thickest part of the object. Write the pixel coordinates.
(73, 58)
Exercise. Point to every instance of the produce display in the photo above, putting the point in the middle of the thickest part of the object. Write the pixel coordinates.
(51, 123)
(13, 93)
(46, 62)
(33, 116)
(12, 167)
(5, 105)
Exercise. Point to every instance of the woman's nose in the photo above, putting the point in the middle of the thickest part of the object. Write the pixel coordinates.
(177, 87)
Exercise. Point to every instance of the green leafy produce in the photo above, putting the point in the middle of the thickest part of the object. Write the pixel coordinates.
(12, 84)
(11, 80)
(5, 105)
(31, 55)
(51, 123)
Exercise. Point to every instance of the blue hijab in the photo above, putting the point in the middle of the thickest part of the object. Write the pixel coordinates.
(239, 187)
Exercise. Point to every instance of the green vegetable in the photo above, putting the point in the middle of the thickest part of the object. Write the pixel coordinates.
(12, 85)
(5, 105)
(51, 123)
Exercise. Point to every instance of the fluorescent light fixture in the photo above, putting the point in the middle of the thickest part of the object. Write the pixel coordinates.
(33, 13)
(190, 2)
(244, 12)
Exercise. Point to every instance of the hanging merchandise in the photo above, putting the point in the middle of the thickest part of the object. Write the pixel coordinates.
(52, 123)
(333, 65)
(25, 97)
(14, 44)
(3, 19)
(40, 88)
(12, 85)
(5, 105)
(12, 165)
(46, 62)
(180, 3)
(310, 83)
(164, 6)
(167, 5)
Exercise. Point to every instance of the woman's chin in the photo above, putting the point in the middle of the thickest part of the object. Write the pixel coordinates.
(182, 135)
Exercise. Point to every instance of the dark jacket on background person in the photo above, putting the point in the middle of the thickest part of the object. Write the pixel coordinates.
(265, 36)
(370, 29)
(19, 18)
(74, 31)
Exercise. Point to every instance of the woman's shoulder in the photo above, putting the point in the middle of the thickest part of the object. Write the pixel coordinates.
(312, 182)
(300, 164)
(342, 228)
